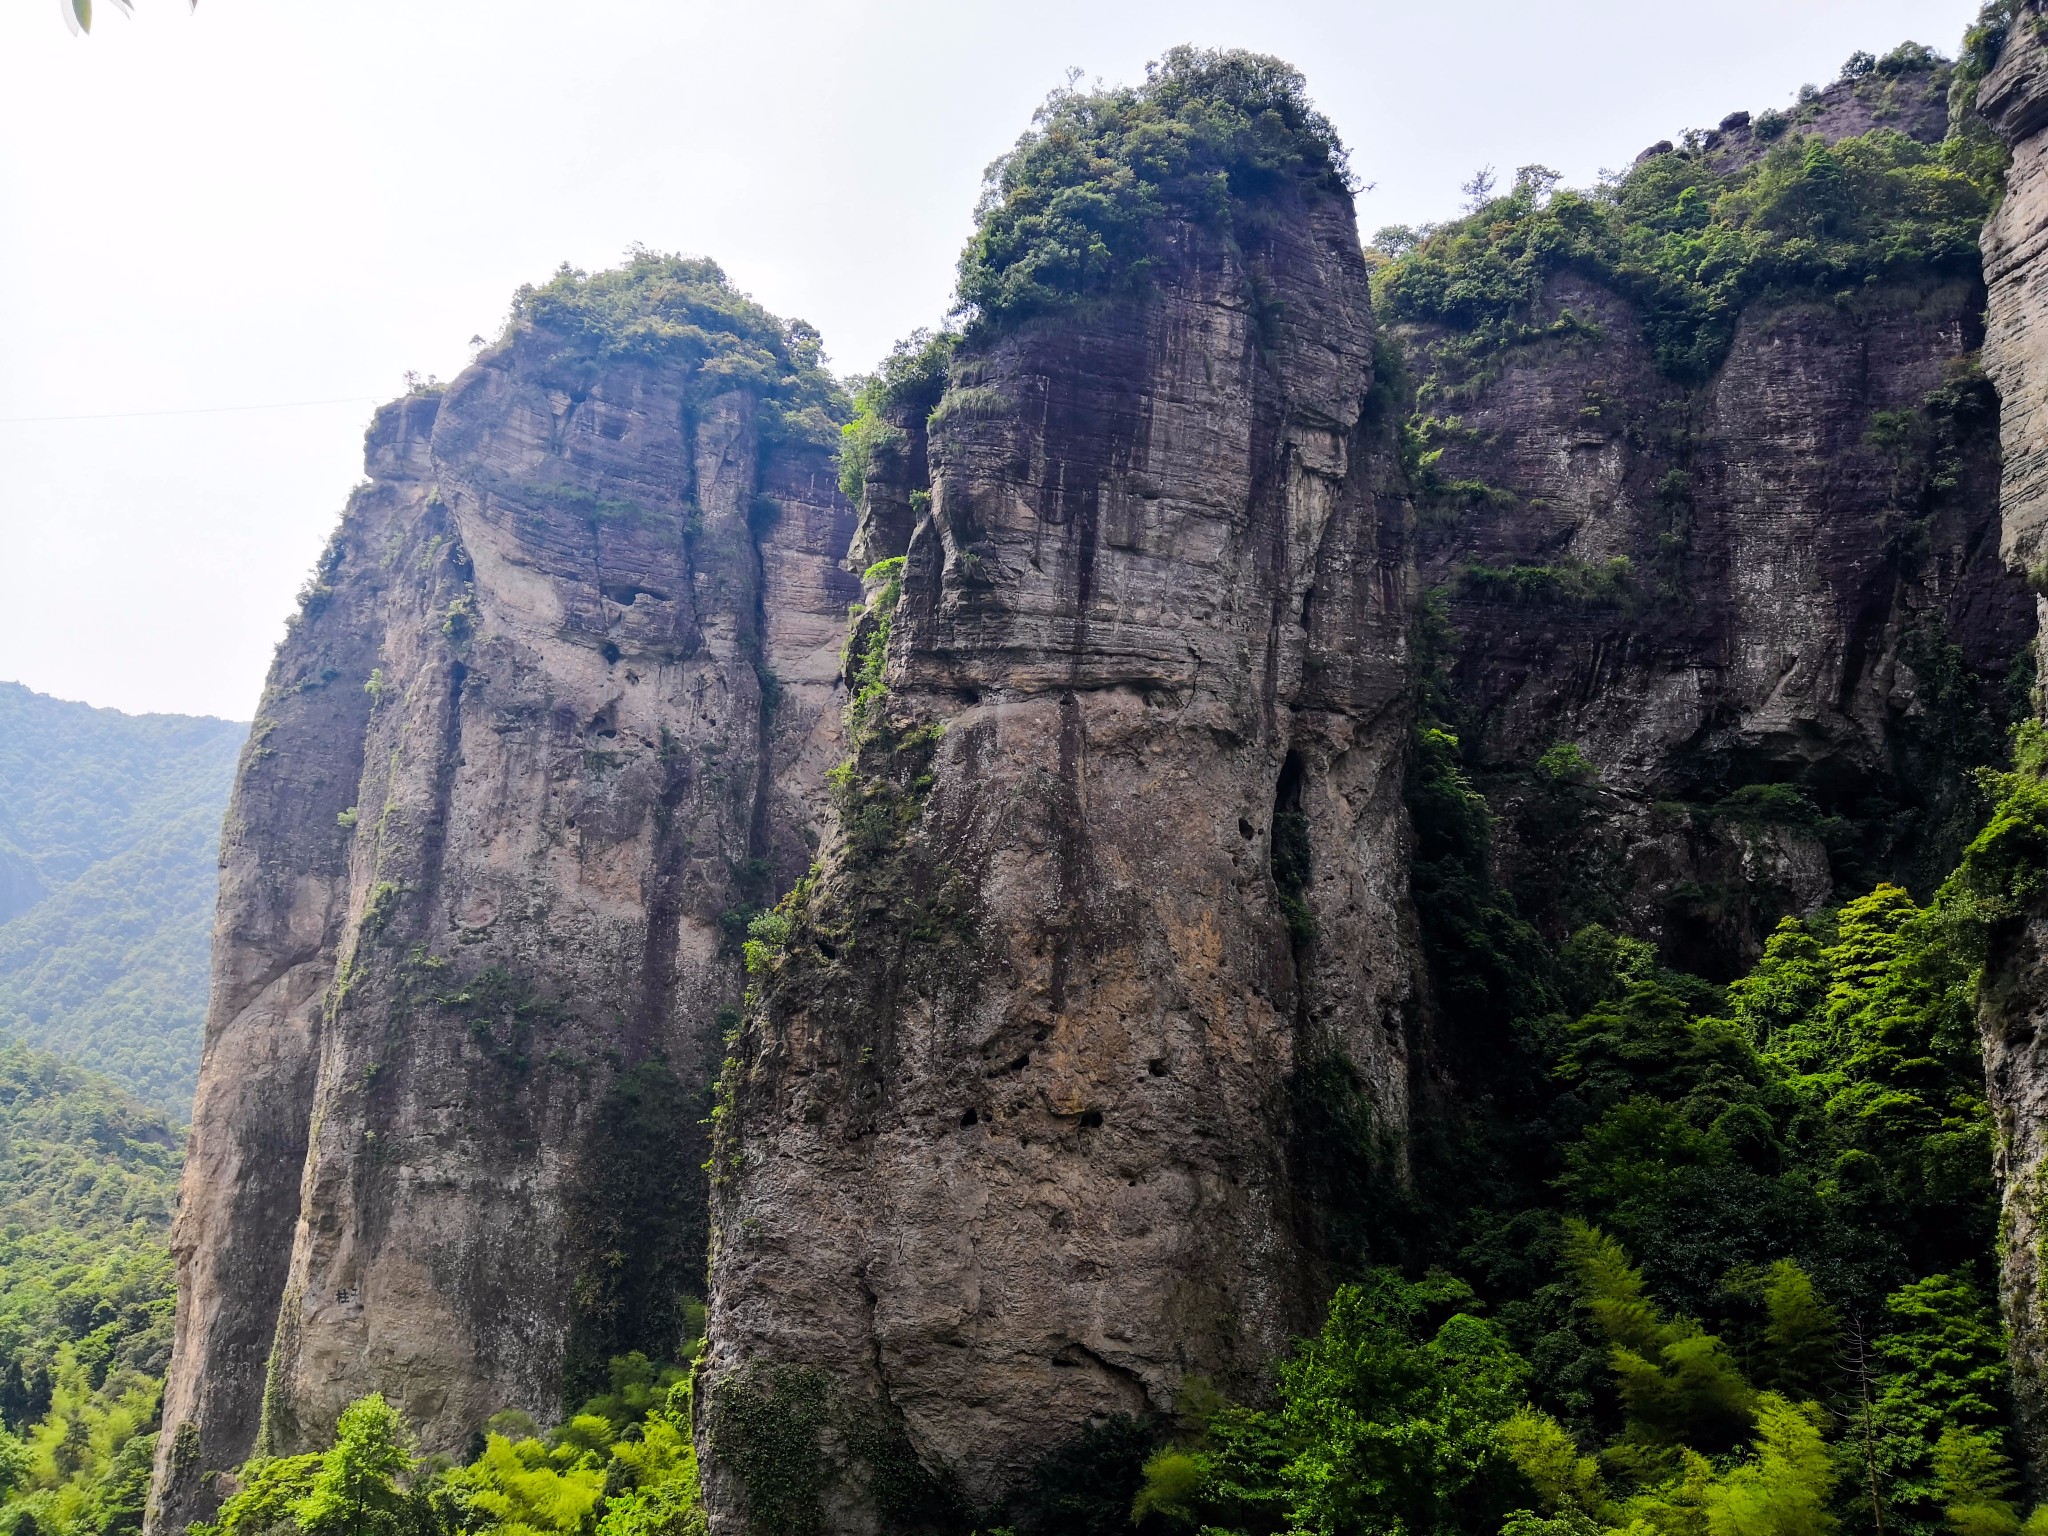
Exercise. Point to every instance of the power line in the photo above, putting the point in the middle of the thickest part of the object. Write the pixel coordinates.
(197, 410)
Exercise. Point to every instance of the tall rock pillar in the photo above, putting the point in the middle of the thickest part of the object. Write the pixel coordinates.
(555, 719)
(1008, 1142)
(2013, 1009)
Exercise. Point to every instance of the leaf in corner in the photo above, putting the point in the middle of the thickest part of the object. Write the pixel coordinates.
(77, 15)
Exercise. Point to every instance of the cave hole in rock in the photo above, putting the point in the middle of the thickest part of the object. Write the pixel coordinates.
(627, 595)
(969, 1118)
(1091, 1119)
(1156, 1066)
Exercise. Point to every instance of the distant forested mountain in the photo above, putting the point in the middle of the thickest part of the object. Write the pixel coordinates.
(109, 825)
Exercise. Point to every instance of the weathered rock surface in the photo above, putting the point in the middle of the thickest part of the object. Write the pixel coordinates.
(1708, 587)
(2014, 1001)
(1116, 871)
(1008, 1147)
(284, 907)
(562, 698)
(1786, 574)
(2014, 98)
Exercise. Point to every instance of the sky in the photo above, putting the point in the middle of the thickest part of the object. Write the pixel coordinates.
(290, 205)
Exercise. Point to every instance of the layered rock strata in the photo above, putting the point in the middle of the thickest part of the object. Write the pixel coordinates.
(1105, 799)
(555, 715)
(2013, 97)
(1007, 1147)
(1706, 588)
(1786, 574)
(284, 908)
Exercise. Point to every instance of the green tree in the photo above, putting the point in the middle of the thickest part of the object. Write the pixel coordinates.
(270, 1492)
(1073, 213)
(1388, 1421)
(1976, 1484)
(527, 1488)
(1784, 1489)
(1397, 1423)
(1801, 1347)
(1678, 1383)
(359, 1490)
(14, 1464)
(1943, 1367)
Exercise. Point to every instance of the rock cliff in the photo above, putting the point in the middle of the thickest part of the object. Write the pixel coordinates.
(2013, 97)
(1007, 1146)
(555, 715)
(1741, 564)
(1086, 1025)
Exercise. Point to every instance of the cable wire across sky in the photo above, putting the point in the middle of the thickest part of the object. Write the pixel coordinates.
(192, 410)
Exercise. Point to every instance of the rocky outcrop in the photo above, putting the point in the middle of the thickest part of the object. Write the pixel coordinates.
(1761, 605)
(1008, 1142)
(554, 718)
(1702, 588)
(1907, 93)
(1096, 972)
(284, 904)
(2013, 97)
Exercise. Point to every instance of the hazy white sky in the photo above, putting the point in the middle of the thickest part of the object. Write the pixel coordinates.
(283, 201)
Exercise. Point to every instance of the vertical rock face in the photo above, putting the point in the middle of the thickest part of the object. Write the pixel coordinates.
(1009, 1142)
(561, 700)
(1097, 972)
(1705, 588)
(2014, 99)
(1784, 576)
(284, 908)
(2014, 1001)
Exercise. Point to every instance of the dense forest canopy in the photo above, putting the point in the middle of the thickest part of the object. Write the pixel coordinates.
(88, 1175)
(684, 309)
(1692, 236)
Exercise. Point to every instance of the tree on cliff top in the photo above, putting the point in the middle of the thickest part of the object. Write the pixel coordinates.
(669, 309)
(1690, 238)
(1073, 212)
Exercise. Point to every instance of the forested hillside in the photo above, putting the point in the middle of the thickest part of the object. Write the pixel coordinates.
(109, 825)
(88, 1176)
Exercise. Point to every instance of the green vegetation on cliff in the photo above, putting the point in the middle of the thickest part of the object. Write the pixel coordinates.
(87, 1180)
(1077, 211)
(1683, 1259)
(905, 388)
(1690, 237)
(1669, 1258)
(683, 309)
(623, 1466)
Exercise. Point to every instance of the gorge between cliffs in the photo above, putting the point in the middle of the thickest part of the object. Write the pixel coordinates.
(1261, 802)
